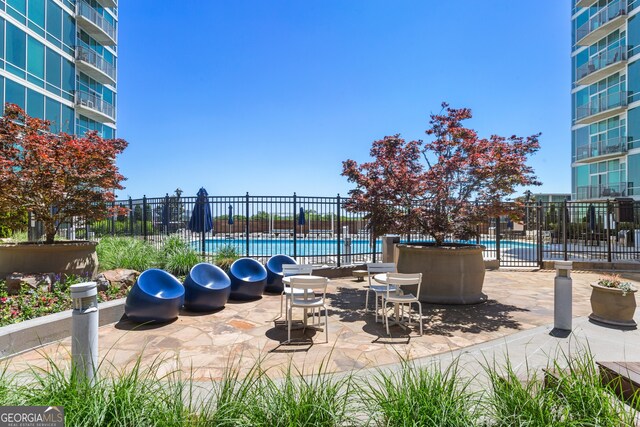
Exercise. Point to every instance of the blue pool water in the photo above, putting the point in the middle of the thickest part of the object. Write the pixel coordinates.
(319, 247)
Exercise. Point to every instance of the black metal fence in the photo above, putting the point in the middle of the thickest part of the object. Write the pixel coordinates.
(320, 230)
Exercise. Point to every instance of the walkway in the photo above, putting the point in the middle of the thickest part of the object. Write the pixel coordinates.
(519, 302)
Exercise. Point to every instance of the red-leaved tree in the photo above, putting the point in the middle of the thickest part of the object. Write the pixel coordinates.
(465, 181)
(387, 187)
(55, 176)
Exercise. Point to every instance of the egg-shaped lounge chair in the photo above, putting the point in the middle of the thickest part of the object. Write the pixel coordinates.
(248, 279)
(206, 288)
(155, 297)
(274, 272)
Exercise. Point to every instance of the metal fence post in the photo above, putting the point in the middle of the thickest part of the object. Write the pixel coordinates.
(564, 229)
(144, 216)
(246, 221)
(113, 218)
(539, 232)
(131, 218)
(295, 221)
(609, 223)
(339, 228)
(168, 208)
(498, 239)
(372, 243)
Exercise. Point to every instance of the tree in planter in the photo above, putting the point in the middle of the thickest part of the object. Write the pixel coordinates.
(435, 185)
(386, 188)
(56, 176)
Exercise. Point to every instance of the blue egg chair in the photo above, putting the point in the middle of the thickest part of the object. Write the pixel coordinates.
(155, 297)
(248, 279)
(206, 288)
(274, 272)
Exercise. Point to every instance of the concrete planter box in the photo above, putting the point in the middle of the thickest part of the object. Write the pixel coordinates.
(611, 308)
(451, 274)
(43, 330)
(78, 258)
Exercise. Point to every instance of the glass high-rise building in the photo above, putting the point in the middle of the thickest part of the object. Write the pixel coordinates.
(58, 61)
(605, 133)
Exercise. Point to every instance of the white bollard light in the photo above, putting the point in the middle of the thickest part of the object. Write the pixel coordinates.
(562, 297)
(347, 250)
(84, 329)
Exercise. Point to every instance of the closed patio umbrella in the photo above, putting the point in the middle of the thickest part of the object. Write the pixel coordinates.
(230, 215)
(301, 219)
(201, 216)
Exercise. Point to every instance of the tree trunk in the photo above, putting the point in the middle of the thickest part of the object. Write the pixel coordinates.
(49, 233)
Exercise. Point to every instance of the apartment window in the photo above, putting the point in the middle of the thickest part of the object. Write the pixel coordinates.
(634, 35)
(53, 71)
(54, 22)
(35, 104)
(1, 43)
(634, 81)
(17, 9)
(68, 77)
(16, 49)
(53, 114)
(633, 117)
(37, 16)
(634, 174)
(67, 119)
(35, 61)
(15, 93)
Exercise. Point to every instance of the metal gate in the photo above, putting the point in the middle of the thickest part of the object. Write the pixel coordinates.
(516, 243)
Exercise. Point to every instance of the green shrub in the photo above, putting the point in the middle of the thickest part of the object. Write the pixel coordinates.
(178, 256)
(225, 256)
(409, 396)
(11, 222)
(126, 252)
(416, 396)
(572, 395)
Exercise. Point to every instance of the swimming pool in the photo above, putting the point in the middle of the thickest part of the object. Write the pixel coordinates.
(259, 247)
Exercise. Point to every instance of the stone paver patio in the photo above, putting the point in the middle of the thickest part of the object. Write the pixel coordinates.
(206, 344)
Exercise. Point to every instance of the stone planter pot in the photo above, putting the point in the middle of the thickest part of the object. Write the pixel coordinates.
(608, 306)
(77, 257)
(451, 274)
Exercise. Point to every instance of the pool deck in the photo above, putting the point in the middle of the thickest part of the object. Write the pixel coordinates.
(516, 320)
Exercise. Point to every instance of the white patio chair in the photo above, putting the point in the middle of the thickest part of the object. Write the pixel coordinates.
(377, 289)
(292, 270)
(311, 287)
(395, 282)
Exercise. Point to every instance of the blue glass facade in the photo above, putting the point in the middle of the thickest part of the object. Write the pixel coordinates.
(58, 61)
(605, 99)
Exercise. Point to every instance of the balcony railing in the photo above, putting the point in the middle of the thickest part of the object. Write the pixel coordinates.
(584, 3)
(92, 102)
(91, 57)
(601, 191)
(609, 147)
(594, 109)
(600, 21)
(85, 11)
(590, 72)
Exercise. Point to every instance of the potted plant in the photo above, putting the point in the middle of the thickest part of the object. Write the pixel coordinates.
(57, 178)
(613, 302)
(443, 189)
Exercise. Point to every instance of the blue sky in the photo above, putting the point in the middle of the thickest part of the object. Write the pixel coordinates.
(269, 97)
